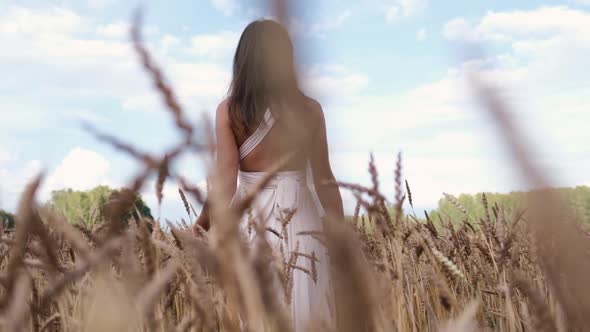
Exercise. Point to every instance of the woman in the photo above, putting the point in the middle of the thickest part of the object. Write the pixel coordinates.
(265, 118)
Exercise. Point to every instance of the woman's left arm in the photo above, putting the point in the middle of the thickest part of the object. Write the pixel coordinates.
(227, 163)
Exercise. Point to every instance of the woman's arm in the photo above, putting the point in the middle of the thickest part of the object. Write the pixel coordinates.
(227, 163)
(328, 194)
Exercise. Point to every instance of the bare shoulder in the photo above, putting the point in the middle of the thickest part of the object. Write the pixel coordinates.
(222, 113)
(315, 108)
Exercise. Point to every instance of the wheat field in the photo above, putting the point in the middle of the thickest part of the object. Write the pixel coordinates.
(405, 274)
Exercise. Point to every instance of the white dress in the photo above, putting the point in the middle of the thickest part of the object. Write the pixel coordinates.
(289, 192)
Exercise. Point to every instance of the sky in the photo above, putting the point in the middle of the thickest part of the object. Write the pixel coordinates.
(390, 75)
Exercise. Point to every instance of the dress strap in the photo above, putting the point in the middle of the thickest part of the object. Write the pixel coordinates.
(252, 142)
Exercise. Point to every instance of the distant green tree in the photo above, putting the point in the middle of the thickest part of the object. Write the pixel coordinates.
(6, 219)
(86, 207)
(578, 199)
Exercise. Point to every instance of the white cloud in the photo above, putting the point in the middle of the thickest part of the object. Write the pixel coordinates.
(412, 7)
(319, 29)
(73, 47)
(16, 116)
(13, 180)
(192, 168)
(114, 30)
(428, 177)
(200, 79)
(171, 202)
(429, 102)
(227, 7)
(392, 13)
(52, 36)
(200, 85)
(459, 29)
(167, 42)
(548, 44)
(98, 4)
(81, 169)
(121, 30)
(143, 102)
(330, 23)
(538, 22)
(172, 207)
(6, 155)
(216, 45)
(333, 82)
(27, 22)
(509, 26)
(405, 8)
(421, 34)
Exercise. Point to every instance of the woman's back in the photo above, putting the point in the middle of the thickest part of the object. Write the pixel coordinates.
(264, 148)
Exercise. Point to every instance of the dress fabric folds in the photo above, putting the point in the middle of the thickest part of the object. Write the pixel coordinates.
(289, 196)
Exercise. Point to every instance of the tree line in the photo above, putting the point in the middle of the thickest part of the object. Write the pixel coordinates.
(85, 208)
(577, 199)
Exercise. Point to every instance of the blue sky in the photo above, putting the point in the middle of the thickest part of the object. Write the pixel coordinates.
(389, 74)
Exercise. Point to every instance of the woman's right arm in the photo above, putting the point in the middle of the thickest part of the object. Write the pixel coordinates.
(329, 194)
